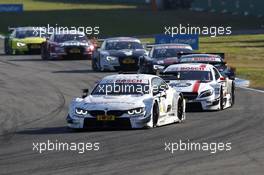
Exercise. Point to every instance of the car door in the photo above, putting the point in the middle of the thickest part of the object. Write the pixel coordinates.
(220, 80)
(159, 88)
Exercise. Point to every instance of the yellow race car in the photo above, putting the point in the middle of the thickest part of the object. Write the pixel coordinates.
(24, 40)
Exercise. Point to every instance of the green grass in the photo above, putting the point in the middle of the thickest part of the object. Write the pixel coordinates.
(244, 52)
(47, 5)
(115, 18)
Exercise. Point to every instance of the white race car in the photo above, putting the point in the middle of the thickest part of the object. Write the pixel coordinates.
(127, 100)
(202, 85)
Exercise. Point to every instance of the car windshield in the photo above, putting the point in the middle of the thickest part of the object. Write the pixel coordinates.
(121, 89)
(27, 33)
(119, 45)
(168, 52)
(190, 75)
(60, 38)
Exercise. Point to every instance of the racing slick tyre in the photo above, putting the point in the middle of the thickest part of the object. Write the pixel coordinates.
(44, 56)
(94, 66)
(180, 109)
(221, 100)
(140, 70)
(43, 53)
(7, 48)
(99, 68)
(233, 95)
(155, 114)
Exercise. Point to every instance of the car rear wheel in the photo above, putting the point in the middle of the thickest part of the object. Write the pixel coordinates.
(43, 53)
(233, 95)
(99, 68)
(155, 115)
(221, 100)
(7, 48)
(180, 109)
(94, 66)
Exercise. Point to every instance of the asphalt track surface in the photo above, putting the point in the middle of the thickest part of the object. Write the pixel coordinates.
(34, 97)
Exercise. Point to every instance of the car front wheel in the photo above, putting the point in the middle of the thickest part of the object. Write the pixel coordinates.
(155, 115)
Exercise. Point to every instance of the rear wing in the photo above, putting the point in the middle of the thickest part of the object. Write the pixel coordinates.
(222, 55)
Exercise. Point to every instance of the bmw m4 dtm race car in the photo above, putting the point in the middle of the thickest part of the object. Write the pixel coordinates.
(217, 60)
(67, 45)
(120, 53)
(127, 100)
(161, 56)
(24, 40)
(202, 85)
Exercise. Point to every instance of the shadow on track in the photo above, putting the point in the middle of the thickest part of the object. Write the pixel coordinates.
(66, 130)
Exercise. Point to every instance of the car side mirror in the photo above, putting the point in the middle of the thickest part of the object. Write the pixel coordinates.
(222, 78)
(85, 93)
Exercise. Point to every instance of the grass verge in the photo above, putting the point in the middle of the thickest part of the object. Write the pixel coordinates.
(116, 18)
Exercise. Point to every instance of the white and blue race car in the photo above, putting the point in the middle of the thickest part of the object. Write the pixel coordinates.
(202, 85)
(127, 101)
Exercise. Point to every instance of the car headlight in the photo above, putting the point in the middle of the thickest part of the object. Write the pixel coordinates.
(158, 67)
(111, 58)
(20, 44)
(80, 111)
(136, 111)
(206, 93)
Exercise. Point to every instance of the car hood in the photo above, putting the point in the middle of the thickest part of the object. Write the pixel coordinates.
(195, 86)
(31, 40)
(109, 102)
(125, 52)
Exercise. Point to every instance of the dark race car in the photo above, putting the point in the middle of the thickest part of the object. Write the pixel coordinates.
(120, 53)
(216, 59)
(67, 45)
(161, 56)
